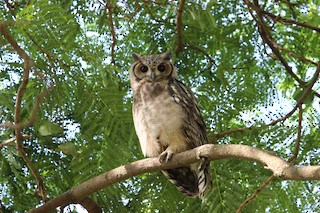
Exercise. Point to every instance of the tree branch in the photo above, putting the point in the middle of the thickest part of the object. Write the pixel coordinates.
(301, 58)
(254, 195)
(34, 113)
(135, 12)
(203, 52)
(28, 64)
(179, 26)
(228, 132)
(147, 8)
(7, 142)
(297, 147)
(278, 166)
(157, 2)
(90, 205)
(263, 30)
(114, 39)
(267, 38)
(302, 98)
(290, 21)
(46, 53)
(15, 45)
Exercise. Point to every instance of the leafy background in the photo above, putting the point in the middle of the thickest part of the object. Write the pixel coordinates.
(84, 127)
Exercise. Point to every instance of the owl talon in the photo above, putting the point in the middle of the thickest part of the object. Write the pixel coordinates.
(165, 157)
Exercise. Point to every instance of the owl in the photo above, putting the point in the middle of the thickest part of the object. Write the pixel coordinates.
(167, 120)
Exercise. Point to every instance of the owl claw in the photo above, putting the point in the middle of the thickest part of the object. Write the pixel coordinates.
(165, 156)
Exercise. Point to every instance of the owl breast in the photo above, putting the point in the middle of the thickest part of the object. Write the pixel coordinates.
(155, 118)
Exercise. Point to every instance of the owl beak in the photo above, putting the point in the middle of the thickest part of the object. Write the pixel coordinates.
(153, 76)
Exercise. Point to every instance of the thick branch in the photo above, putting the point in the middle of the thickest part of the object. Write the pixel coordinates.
(90, 205)
(278, 166)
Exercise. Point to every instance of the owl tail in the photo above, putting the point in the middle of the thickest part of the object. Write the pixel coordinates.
(204, 177)
(191, 180)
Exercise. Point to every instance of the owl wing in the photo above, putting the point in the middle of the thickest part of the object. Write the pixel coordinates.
(193, 126)
(195, 135)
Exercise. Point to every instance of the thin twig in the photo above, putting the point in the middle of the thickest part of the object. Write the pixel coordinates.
(46, 53)
(43, 51)
(34, 112)
(151, 15)
(157, 2)
(254, 195)
(289, 21)
(28, 64)
(135, 12)
(220, 135)
(203, 52)
(266, 36)
(301, 58)
(102, 3)
(7, 142)
(302, 98)
(179, 27)
(114, 39)
(34, 171)
(297, 147)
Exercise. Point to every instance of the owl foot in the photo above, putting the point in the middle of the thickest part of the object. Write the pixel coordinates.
(165, 156)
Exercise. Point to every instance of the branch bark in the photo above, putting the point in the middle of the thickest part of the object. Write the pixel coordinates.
(278, 166)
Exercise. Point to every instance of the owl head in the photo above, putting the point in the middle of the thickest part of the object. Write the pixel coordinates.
(152, 68)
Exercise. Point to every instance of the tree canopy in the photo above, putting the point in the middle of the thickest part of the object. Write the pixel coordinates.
(65, 102)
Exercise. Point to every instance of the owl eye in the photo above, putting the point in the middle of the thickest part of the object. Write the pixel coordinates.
(161, 68)
(143, 68)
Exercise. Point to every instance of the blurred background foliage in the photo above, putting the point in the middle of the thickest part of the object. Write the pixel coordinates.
(85, 127)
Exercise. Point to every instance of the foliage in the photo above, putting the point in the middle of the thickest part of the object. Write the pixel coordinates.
(84, 126)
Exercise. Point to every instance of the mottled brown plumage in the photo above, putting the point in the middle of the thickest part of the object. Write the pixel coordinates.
(167, 120)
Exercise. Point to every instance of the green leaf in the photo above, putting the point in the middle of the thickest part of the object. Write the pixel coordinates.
(68, 148)
(47, 128)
